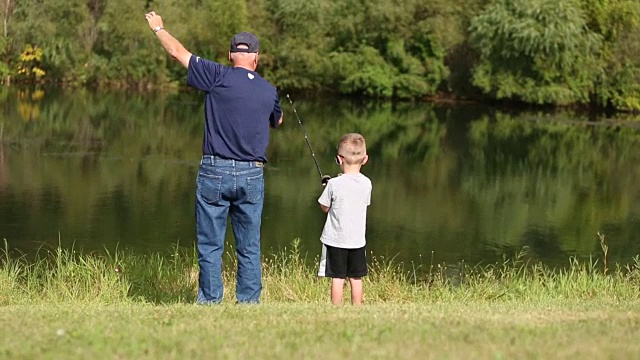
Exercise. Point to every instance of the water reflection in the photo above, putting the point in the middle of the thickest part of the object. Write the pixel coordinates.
(100, 170)
(4, 168)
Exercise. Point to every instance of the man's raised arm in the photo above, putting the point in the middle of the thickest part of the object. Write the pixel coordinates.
(169, 43)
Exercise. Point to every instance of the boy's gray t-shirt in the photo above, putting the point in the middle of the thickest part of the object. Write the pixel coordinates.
(347, 197)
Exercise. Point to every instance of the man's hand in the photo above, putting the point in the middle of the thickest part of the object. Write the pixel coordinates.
(154, 20)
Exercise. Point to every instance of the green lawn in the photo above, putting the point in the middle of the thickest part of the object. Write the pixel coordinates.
(64, 305)
(452, 330)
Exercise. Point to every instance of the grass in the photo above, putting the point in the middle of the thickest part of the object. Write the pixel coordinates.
(68, 305)
(284, 331)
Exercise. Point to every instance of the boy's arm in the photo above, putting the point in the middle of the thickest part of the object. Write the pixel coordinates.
(325, 199)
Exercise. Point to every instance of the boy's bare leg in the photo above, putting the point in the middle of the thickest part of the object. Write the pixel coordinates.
(356, 290)
(337, 286)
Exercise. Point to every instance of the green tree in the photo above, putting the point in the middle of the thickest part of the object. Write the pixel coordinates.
(125, 49)
(6, 11)
(299, 45)
(60, 28)
(534, 51)
(537, 51)
(616, 21)
(385, 48)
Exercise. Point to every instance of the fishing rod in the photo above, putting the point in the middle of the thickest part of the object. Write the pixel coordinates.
(323, 178)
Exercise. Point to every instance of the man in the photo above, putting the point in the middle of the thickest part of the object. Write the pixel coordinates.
(240, 106)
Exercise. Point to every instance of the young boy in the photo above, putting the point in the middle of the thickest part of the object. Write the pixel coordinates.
(345, 199)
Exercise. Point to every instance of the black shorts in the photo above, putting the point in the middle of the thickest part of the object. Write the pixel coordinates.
(342, 263)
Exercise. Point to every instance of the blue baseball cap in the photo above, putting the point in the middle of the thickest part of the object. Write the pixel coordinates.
(247, 39)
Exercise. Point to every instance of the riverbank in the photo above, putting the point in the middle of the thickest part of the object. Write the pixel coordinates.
(122, 305)
(65, 276)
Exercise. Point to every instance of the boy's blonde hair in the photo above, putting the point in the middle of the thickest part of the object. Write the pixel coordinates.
(352, 148)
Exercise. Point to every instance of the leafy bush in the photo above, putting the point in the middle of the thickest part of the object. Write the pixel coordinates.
(538, 51)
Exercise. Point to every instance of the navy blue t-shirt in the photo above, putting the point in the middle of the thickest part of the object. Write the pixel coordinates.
(240, 106)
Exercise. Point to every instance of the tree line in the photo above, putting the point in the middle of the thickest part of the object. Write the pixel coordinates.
(547, 52)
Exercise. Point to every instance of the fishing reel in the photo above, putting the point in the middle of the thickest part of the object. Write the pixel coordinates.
(324, 180)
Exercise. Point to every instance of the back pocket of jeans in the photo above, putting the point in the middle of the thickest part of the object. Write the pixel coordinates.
(255, 185)
(210, 187)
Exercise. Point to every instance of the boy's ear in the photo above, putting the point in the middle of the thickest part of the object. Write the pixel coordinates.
(366, 158)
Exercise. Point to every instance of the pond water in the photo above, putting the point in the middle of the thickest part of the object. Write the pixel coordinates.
(451, 183)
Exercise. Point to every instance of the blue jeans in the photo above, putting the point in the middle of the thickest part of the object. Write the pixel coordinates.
(233, 188)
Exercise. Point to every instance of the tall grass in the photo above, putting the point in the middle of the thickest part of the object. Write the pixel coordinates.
(63, 275)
